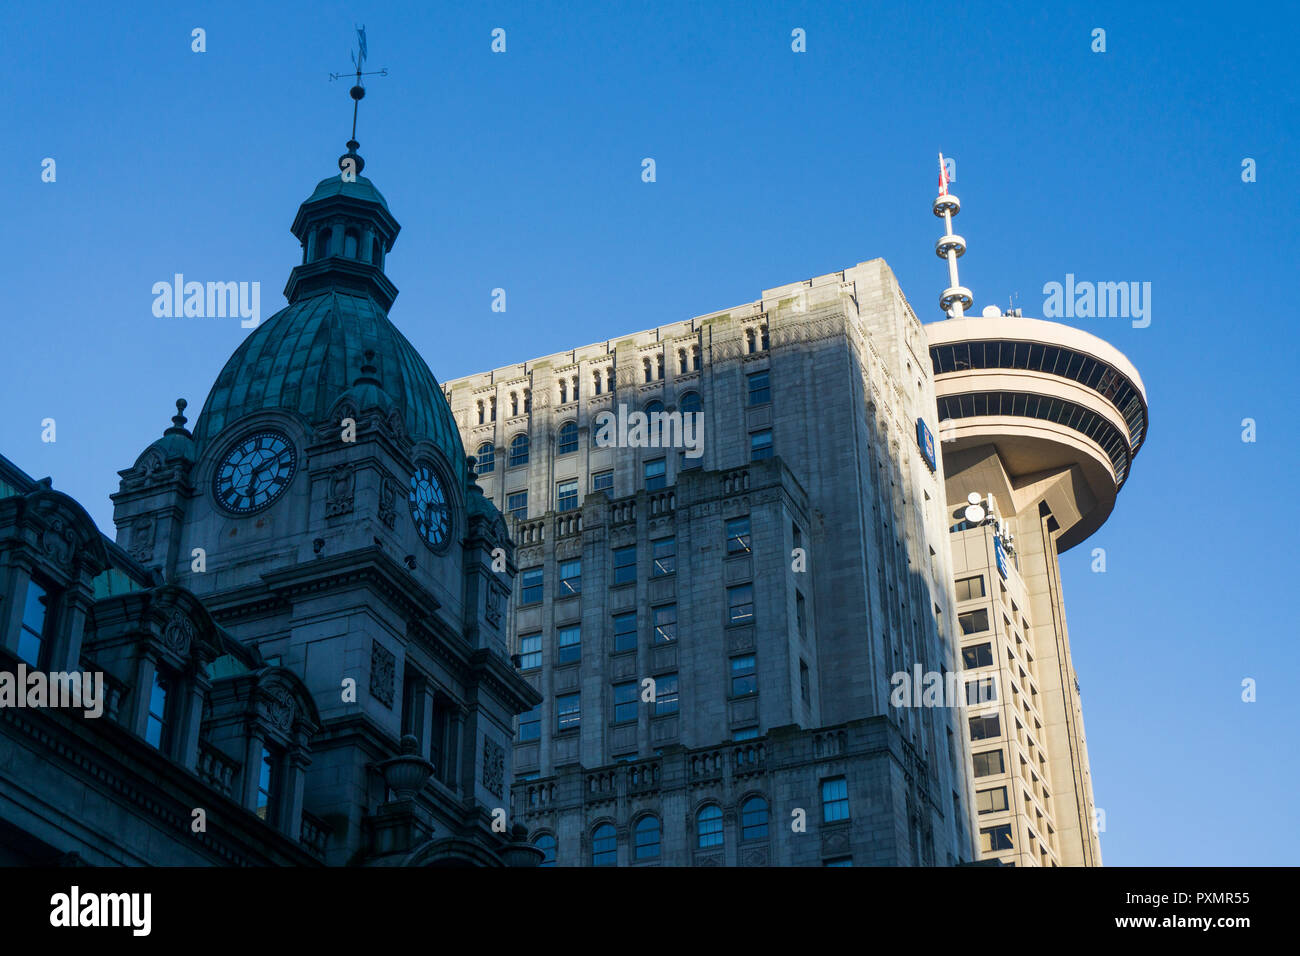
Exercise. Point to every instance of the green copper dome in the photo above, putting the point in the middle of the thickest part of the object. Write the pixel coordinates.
(361, 188)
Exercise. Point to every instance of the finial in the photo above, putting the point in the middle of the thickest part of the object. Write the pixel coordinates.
(179, 419)
(351, 162)
(369, 373)
(956, 298)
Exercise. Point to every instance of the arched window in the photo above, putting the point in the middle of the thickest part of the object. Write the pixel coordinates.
(750, 342)
(604, 846)
(546, 843)
(654, 407)
(528, 400)
(708, 826)
(514, 404)
(762, 330)
(487, 457)
(518, 451)
(753, 819)
(646, 838)
(695, 358)
(564, 391)
(681, 360)
(645, 365)
(481, 413)
(596, 380)
(609, 379)
(690, 402)
(376, 249)
(659, 365)
(567, 443)
(351, 243)
(323, 242)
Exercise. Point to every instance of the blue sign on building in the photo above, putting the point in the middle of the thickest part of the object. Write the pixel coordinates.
(926, 442)
(1000, 556)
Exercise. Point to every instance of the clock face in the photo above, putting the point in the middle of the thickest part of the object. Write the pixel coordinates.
(254, 472)
(429, 508)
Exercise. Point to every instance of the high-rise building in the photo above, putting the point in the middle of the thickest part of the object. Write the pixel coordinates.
(1039, 424)
(714, 619)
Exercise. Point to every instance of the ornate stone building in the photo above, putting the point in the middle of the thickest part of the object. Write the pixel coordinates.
(299, 628)
(715, 636)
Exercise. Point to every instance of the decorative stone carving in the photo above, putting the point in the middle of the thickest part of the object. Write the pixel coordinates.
(383, 671)
(143, 531)
(494, 765)
(279, 708)
(388, 502)
(493, 606)
(341, 495)
(178, 635)
(755, 856)
(58, 541)
(150, 465)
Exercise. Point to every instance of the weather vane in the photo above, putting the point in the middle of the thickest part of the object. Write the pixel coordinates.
(357, 92)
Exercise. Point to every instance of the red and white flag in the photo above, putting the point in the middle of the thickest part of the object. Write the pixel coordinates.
(943, 177)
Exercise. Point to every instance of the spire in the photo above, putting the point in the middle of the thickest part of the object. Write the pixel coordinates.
(956, 298)
(351, 162)
(178, 420)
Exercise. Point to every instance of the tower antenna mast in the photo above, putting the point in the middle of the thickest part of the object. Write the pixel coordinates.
(956, 299)
(357, 93)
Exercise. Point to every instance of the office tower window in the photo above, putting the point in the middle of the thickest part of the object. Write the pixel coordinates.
(740, 604)
(738, 538)
(266, 786)
(970, 588)
(531, 591)
(988, 763)
(155, 730)
(530, 724)
(991, 801)
(760, 445)
(625, 631)
(566, 495)
(567, 441)
(973, 622)
(33, 633)
(805, 684)
(665, 617)
(753, 819)
(518, 451)
(625, 701)
(604, 846)
(646, 832)
(568, 640)
(517, 505)
(486, 459)
(570, 577)
(978, 655)
(656, 474)
(664, 557)
(993, 839)
(665, 695)
(708, 826)
(625, 564)
(982, 690)
(530, 652)
(546, 843)
(603, 481)
(835, 800)
(744, 678)
(982, 728)
(568, 712)
(760, 392)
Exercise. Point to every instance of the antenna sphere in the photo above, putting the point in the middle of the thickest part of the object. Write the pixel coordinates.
(357, 92)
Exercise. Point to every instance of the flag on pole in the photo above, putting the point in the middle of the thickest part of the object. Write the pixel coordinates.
(943, 177)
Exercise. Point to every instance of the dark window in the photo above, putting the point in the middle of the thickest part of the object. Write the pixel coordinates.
(518, 451)
(656, 474)
(546, 843)
(760, 445)
(982, 728)
(571, 577)
(753, 819)
(625, 700)
(980, 655)
(531, 592)
(266, 783)
(653, 408)
(34, 630)
(568, 644)
(744, 680)
(155, 730)
(567, 443)
(566, 495)
(988, 763)
(517, 505)
(708, 826)
(625, 564)
(973, 622)
(602, 481)
(625, 631)
(760, 392)
(665, 618)
(665, 695)
(991, 801)
(487, 458)
(351, 243)
(738, 535)
(664, 559)
(568, 712)
(530, 652)
(690, 403)
(982, 690)
(646, 833)
(993, 839)
(530, 724)
(740, 604)
(835, 800)
(970, 588)
(604, 846)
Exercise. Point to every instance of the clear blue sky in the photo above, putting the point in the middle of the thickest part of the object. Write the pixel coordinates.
(522, 171)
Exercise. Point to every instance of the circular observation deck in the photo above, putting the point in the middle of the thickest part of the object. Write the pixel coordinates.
(1049, 397)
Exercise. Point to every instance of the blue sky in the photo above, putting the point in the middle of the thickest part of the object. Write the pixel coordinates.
(522, 171)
